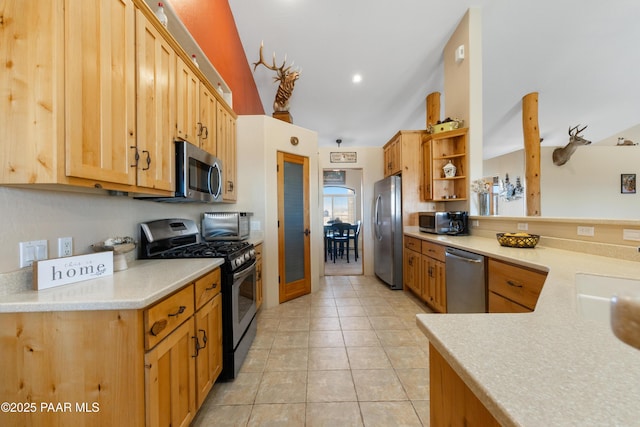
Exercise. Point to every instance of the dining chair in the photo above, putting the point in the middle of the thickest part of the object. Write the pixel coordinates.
(340, 239)
(354, 234)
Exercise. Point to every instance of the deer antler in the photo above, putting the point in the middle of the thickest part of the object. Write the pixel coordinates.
(577, 131)
(280, 70)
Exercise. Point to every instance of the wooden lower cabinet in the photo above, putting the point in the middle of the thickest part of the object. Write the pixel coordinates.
(451, 401)
(411, 274)
(513, 288)
(170, 379)
(208, 331)
(105, 366)
(424, 272)
(434, 290)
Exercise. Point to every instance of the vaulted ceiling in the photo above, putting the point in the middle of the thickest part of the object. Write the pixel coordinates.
(581, 56)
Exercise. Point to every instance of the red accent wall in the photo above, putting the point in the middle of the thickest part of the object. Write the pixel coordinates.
(211, 24)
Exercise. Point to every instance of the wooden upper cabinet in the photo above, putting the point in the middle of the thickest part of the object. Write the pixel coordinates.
(227, 148)
(100, 90)
(393, 157)
(156, 63)
(207, 121)
(187, 102)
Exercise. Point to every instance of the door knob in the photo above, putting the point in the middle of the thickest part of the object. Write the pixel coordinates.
(307, 232)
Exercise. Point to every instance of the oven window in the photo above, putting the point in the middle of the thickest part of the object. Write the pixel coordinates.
(246, 297)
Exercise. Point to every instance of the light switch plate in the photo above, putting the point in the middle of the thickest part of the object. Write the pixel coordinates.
(34, 250)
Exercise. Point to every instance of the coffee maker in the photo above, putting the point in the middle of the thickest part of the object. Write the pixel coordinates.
(458, 223)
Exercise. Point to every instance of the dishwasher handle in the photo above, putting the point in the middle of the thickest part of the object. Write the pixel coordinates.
(463, 258)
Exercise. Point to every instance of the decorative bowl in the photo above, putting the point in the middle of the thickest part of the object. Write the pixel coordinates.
(518, 240)
(120, 246)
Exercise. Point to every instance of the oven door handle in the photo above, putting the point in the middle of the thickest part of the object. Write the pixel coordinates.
(244, 272)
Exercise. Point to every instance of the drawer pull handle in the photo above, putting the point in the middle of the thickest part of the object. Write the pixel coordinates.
(158, 327)
(180, 311)
(213, 286)
(514, 284)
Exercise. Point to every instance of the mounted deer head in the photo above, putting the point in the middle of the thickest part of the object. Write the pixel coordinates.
(562, 155)
(285, 76)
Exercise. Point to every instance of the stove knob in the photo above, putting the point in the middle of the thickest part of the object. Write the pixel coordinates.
(247, 256)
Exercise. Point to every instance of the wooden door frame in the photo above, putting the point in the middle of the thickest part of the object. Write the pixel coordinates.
(302, 287)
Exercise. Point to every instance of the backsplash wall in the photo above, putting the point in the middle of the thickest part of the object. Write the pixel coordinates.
(46, 215)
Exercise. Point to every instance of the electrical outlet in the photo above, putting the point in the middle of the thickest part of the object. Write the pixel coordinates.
(65, 246)
(585, 231)
(35, 250)
(630, 234)
(523, 226)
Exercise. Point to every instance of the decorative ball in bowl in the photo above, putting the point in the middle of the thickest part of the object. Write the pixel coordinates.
(518, 240)
(120, 246)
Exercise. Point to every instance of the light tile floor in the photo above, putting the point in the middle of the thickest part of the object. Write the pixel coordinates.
(349, 354)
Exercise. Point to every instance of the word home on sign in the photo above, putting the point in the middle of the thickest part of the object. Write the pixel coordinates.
(63, 271)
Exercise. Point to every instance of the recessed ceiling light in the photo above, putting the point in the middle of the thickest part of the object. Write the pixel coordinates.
(357, 78)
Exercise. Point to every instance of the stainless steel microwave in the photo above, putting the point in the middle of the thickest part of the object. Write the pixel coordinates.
(198, 176)
(453, 222)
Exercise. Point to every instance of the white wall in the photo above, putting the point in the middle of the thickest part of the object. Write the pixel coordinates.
(587, 186)
(259, 140)
(370, 160)
(46, 215)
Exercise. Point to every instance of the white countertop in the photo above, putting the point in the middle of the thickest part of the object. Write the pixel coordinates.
(546, 368)
(142, 284)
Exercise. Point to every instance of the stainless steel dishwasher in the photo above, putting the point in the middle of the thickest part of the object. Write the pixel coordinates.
(466, 288)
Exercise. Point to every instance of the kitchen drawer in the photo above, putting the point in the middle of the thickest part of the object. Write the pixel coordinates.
(519, 284)
(412, 243)
(207, 287)
(499, 304)
(433, 250)
(163, 317)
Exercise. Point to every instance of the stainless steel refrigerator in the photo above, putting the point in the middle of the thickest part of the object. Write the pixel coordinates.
(387, 230)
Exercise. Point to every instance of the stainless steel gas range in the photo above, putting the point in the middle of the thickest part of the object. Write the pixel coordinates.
(180, 238)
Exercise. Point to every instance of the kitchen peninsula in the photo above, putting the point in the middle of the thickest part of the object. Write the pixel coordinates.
(548, 367)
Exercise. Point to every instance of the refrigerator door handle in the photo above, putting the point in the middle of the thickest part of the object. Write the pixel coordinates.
(376, 227)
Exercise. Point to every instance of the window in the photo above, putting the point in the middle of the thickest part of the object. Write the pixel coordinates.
(339, 203)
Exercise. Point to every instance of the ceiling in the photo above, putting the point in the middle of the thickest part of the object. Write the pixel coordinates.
(581, 56)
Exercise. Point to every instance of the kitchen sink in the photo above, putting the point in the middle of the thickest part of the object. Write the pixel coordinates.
(594, 294)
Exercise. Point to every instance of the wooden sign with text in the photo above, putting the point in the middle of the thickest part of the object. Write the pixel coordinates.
(51, 273)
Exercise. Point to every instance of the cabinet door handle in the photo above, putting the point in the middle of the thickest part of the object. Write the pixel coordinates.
(136, 156)
(197, 347)
(206, 132)
(158, 327)
(204, 338)
(180, 311)
(148, 161)
(514, 284)
(199, 133)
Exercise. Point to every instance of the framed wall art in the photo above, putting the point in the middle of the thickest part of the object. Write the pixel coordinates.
(334, 177)
(628, 183)
(343, 157)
